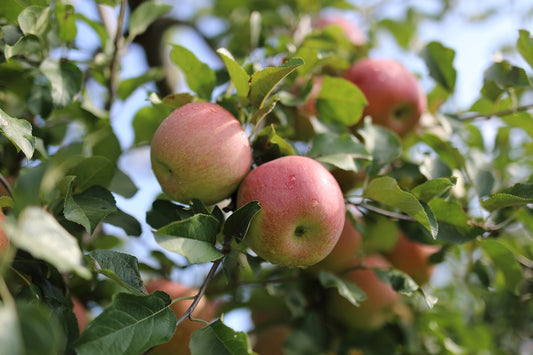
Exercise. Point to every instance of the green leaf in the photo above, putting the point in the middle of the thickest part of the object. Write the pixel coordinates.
(346, 289)
(90, 207)
(217, 338)
(132, 324)
(175, 101)
(147, 120)
(383, 145)
(146, 13)
(66, 19)
(455, 225)
(40, 234)
(399, 281)
(264, 81)
(200, 77)
(10, 337)
(122, 184)
(518, 194)
(19, 132)
(93, 171)
(238, 222)
(268, 145)
(524, 44)
(119, 267)
(505, 261)
(439, 60)
(128, 86)
(28, 47)
(239, 76)
(340, 101)
(501, 76)
(65, 78)
(340, 150)
(127, 222)
(386, 191)
(433, 188)
(446, 151)
(194, 238)
(35, 20)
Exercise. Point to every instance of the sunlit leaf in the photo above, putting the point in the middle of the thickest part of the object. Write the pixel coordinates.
(340, 101)
(143, 15)
(454, 224)
(35, 20)
(120, 267)
(433, 188)
(524, 44)
(200, 77)
(66, 20)
(66, 79)
(383, 145)
(342, 151)
(505, 261)
(238, 75)
(346, 289)
(19, 132)
(518, 194)
(439, 60)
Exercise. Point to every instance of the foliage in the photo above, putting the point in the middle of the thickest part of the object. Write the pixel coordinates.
(448, 183)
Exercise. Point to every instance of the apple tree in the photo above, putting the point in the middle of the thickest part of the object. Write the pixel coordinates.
(114, 240)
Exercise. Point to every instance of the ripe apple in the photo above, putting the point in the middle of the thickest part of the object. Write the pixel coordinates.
(81, 314)
(377, 309)
(206, 310)
(302, 212)
(200, 151)
(345, 252)
(350, 29)
(4, 241)
(412, 258)
(395, 98)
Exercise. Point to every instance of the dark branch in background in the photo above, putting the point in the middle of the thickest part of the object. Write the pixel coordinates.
(497, 113)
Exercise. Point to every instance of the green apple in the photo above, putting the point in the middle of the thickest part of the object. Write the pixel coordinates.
(412, 258)
(205, 310)
(395, 98)
(302, 214)
(200, 151)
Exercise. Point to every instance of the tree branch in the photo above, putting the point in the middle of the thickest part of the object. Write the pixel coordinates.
(115, 59)
(497, 113)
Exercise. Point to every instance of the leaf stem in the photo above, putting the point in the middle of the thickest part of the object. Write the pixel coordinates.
(384, 212)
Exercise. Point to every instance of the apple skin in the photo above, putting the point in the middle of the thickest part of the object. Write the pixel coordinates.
(395, 98)
(412, 258)
(200, 151)
(4, 241)
(81, 314)
(377, 309)
(206, 310)
(351, 31)
(302, 212)
(309, 106)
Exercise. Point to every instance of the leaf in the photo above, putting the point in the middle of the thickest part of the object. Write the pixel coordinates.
(346, 289)
(10, 336)
(454, 224)
(89, 207)
(127, 86)
(446, 151)
(19, 132)
(524, 44)
(439, 60)
(122, 184)
(132, 324)
(144, 14)
(35, 20)
(383, 145)
(239, 77)
(505, 261)
(119, 267)
(147, 120)
(386, 191)
(200, 77)
(501, 76)
(93, 171)
(264, 81)
(40, 234)
(340, 150)
(399, 281)
(194, 238)
(217, 338)
(66, 21)
(238, 222)
(433, 188)
(268, 145)
(127, 222)
(518, 194)
(340, 101)
(65, 78)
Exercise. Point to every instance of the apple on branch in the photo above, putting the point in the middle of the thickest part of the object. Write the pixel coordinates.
(200, 151)
(302, 211)
(395, 98)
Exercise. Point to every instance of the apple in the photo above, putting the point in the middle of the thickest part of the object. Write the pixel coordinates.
(205, 310)
(302, 214)
(345, 252)
(81, 314)
(200, 151)
(351, 31)
(377, 308)
(271, 339)
(412, 258)
(4, 241)
(395, 98)
(309, 106)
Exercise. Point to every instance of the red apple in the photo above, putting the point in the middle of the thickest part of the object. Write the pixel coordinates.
(4, 241)
(350, 29)
(302, 212)
(200, 151)
(309, 106)
(395, 98)
(81, 314)
(377, 309)
(412, 258)
(179, 344)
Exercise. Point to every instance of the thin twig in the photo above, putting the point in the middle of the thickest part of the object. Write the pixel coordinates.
(115, 58)
(384, 212)
(497, 113)
(6, 185)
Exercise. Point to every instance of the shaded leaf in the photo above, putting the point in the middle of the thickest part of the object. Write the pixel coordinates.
(123, 220)
(399, 281)
(144, 14)
(268, 145)
(454, 224)
(127, 86)
(238, 222)
(218, 338)
(505, 261)
(93, 171)
(346, 289)
(342, 151)
(439, 60)
(132, 324)
(120, 267)
(122, 184)
(383, 145)
(524, 44)
(19, 132)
